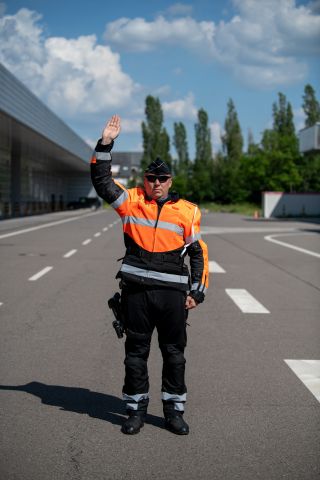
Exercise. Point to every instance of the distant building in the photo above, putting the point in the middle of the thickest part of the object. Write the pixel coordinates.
(43, 163)
(125, 166)
(309, 139)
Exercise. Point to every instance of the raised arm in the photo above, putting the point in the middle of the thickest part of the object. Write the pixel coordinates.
(101, 175)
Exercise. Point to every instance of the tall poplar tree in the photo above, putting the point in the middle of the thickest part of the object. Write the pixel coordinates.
(310, 106)
(202, 171)
(156, 141)
(280, 146)
(232, 140)
(182, 166)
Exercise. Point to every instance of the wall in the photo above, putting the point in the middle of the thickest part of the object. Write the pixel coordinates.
(279, 204)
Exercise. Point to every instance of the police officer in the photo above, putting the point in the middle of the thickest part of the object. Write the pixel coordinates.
(157, 290)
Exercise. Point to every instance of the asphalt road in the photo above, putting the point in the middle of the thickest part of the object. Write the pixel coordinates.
(61, 366)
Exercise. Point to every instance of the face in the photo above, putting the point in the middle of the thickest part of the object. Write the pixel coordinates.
(156, 189)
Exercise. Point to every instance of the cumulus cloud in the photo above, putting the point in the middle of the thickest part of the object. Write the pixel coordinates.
(71, 75)
(179, 9)
(181, 109)
(266, 44)
(139, 35)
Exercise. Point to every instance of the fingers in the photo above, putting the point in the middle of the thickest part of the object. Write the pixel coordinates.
(190, 303)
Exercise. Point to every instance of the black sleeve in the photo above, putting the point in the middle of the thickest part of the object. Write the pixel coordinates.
(101, 175)
(197, 265)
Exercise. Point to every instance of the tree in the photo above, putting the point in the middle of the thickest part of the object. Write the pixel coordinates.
(280, 146)
(182, 164)
(310, 106)
(202, 170)
(156, 142)
(232, 140)
(181, 145)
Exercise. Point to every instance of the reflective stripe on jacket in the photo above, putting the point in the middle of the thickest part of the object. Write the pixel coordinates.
(157, 239)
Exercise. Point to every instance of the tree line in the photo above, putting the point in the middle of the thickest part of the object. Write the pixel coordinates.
(234, 175)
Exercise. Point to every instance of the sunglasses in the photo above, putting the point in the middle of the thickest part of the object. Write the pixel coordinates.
(153, 178)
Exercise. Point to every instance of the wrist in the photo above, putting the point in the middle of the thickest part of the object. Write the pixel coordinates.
(106, 141)
(197, 296)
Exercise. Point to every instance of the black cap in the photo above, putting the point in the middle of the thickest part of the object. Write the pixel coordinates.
(158, 167)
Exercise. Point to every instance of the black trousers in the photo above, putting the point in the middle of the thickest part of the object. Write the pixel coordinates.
(146, 309)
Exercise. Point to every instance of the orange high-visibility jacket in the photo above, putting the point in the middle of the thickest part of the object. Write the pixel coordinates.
(157, 237)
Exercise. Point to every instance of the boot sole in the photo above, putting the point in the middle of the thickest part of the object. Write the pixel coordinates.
(131, 433)
(170, 429)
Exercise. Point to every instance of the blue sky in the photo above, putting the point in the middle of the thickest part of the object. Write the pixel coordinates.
(88, 60)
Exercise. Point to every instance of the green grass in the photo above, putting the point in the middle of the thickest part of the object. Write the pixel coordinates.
(247, 209)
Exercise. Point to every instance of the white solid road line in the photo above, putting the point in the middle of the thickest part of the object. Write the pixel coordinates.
(222, 230)
(40, 274)
(308, 371)
(87, 241)
(270, 238)
(97, 234)
(245, 301)
(46, 225)
(70, 253)
(214, 267)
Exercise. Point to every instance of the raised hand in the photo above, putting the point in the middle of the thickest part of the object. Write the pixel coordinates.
(111, 130)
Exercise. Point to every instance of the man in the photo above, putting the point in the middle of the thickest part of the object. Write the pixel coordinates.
(159, 230)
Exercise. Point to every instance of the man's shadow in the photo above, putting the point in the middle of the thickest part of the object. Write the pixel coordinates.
(81, 400)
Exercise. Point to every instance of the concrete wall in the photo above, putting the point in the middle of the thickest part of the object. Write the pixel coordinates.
(279, 204)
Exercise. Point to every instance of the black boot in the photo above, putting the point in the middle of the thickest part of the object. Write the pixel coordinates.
(174, 419)
(176, 424)
(134, 422)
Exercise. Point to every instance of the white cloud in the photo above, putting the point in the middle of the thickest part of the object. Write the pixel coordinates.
(140, 35)
(181, 109)
(131, 125)
(216, 134)
(72, 76)
(266, 44)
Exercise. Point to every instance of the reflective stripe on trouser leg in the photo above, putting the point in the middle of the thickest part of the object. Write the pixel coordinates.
(135, 402)
(177, 400)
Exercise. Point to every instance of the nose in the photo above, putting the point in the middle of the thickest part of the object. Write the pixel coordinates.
(157, 182)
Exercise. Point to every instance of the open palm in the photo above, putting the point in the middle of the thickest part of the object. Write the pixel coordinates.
(111, 130)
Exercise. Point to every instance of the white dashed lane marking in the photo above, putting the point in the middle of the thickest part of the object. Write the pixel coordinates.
(105, 229)
(245, 301)
(40, 274)
(97, 234)
(87, 241)
(70, 253)
(214, 267)
(308, 371)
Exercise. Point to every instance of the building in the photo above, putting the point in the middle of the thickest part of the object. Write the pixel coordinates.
(43, 163)
(126, 166)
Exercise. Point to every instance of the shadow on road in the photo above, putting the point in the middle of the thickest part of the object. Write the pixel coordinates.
(81, 400)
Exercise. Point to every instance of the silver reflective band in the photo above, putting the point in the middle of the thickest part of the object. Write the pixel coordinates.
(165, 277)
(179, 407)
(120, 200)
(136, 398)
(132, 406)
(201, 288)
(152, 223)
(174, 397)
(193, 238)
(102, 155)
(145, 222)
